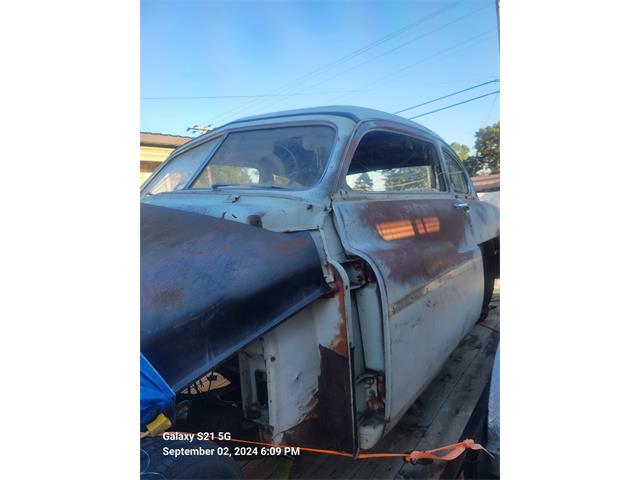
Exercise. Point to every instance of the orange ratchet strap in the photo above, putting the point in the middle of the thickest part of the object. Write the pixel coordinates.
(452, 451)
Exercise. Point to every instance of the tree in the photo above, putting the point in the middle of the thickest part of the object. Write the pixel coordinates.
(473, 164)
(461, 150)
(363, 182)
(470, 162)
(407, 178)
(487, 147)
(487, 151)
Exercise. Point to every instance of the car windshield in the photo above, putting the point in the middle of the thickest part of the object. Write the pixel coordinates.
(287, 157)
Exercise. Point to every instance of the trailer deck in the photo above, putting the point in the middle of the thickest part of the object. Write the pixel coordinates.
(440, 416)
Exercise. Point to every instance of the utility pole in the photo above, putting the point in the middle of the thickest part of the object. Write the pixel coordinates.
(202, 129)
(498, 18)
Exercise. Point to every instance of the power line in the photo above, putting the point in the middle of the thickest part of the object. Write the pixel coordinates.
(265, 95)
(206, 97)
(451, 82)
(455, 48)
(458, 47)
(498, 21)
(397, 47)
(414, 64)
(343, 59)
(447, 96)
(454, 105)
(493, 104)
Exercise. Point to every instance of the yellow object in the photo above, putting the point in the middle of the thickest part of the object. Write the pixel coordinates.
(159, 425)
(154, 154)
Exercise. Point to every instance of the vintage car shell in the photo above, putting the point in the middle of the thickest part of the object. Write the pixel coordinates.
(404, 276)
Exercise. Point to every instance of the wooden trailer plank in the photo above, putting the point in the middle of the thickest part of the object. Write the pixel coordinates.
(260, 468)
(450, 423)
(439, 397)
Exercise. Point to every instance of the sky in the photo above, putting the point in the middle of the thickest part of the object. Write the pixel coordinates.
(266, 56)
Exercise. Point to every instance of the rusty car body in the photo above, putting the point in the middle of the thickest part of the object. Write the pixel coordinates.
(329, 297)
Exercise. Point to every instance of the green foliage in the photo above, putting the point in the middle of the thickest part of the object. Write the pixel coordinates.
(487, 155)
(461, 150)
(363, 182)
(473, 164)
(487, 147)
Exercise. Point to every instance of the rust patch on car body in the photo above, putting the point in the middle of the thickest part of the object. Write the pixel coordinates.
(413, 241)
(305, 433)
(340, 343)
(334, 399)
(255, 220)
(328, 424)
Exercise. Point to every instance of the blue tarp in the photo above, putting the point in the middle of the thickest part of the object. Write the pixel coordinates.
(155, 395)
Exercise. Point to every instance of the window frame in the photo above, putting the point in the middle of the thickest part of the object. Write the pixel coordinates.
(195, 143)
(222, 135)
(470, 191)
(360, 135)
(273, 126)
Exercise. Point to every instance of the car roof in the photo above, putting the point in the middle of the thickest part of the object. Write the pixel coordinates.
(354, 113)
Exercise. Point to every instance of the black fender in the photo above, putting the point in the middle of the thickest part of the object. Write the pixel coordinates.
(209, 286)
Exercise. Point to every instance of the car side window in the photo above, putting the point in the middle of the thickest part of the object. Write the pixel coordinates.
(175, 173)
(391, 162)
(457, 175)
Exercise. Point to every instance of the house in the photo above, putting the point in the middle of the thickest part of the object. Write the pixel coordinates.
(488, 188)
(486, 183)
(154, 149)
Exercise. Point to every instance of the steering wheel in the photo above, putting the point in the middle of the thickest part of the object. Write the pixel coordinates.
(294, 161)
